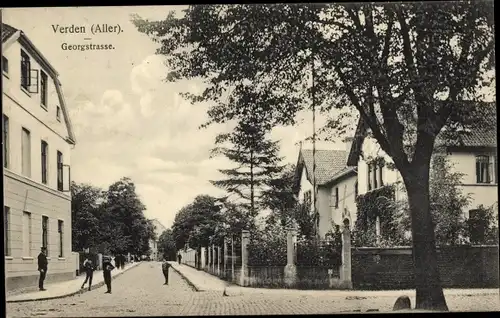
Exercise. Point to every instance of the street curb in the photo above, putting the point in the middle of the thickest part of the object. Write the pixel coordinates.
(191, 284)
(81, 291)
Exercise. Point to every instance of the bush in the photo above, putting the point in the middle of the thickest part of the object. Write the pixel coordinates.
(314, 252)
(482, 226)
(268, 247)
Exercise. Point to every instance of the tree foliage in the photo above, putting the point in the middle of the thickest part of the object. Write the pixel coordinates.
(85, 213)
(280, 196)
(166, 245)
(110, 221)
(407, 69)
(197, 223)
(257, 160)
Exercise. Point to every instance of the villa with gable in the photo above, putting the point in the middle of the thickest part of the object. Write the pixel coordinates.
(336, 185)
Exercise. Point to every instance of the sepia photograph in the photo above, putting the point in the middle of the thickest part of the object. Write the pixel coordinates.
(250, 159)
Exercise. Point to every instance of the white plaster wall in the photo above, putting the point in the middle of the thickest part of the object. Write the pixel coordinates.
(347, 200)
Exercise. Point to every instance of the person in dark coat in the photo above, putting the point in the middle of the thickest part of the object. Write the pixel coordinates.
(89, 271)
(107, 268)
(179, 258)
(165, 266)
(123, 260)
(42, 267)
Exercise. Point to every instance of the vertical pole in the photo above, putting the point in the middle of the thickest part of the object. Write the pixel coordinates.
(313, 92)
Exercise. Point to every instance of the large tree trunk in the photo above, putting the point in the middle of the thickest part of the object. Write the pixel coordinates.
(427, 279)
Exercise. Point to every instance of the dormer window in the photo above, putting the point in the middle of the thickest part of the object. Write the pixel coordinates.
(29, 77)
(25, 70)
(58, 113)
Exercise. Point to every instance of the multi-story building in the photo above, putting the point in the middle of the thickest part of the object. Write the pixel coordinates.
(475, 157)
(336, 186)
(153, 244)
(37, 141)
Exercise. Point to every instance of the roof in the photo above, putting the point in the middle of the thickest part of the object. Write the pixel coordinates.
(7, 32)
(330, 164)
(10, 35)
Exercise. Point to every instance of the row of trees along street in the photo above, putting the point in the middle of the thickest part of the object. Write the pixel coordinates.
(406, 69)
(110, 221)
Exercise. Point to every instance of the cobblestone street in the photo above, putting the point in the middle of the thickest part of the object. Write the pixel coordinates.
(140, 292)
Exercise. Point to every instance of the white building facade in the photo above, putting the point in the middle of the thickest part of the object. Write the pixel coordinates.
(37, 141)
(153, 244)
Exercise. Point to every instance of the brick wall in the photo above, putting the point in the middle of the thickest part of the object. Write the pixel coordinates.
(392, 268)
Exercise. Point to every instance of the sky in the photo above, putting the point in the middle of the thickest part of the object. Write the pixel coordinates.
(129, 122)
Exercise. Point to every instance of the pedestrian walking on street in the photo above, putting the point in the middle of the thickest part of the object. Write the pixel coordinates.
(179, 258)
(122, 263)
(107, 268)
(165, 266)
(42, 267)
(88, 265)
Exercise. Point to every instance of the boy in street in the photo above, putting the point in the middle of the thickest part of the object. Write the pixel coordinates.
(89, 270)
(165, 266)
(42, 266)
(107, 268)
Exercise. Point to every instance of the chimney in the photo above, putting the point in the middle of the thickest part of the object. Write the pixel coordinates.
(348, 143)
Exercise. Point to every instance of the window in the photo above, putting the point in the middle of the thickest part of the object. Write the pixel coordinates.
(43, 89)
(58, 113)
(380, 174)
(6, 234)
(59, 171)
(307, 199)
(483, 169)
(25, 70)
(26, 233)
(60, 227)
(5, 140)
(375, 184)
(45, 147)
(5, 65)
(336, 197)
(45, 233)
(26, 152)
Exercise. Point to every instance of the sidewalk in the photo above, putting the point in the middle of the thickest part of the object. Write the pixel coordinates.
(199, 280)
(66, 288)
(203, 281)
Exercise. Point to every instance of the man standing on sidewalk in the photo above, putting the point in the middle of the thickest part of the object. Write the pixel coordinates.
(165, 266)
(107, 268)
(42, 267)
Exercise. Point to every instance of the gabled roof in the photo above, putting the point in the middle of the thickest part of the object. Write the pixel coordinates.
(330, 165)
(10, 35)
(7, 32)
(476, 137)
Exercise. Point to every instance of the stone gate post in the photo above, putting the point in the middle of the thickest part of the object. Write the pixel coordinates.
(245, 239)
(290, 268)
(345, 269)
